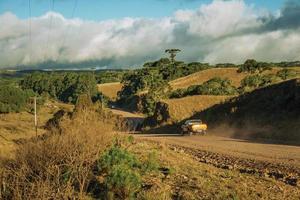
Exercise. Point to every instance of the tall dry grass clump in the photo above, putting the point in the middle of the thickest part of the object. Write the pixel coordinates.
(81, 157)
(60, 166)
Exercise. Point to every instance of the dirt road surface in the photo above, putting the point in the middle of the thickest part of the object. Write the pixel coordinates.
(281, 162)
(236, 147)
(281, 154)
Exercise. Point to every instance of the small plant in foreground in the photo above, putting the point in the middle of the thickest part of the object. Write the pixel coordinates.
(124, 171)
(121, 167)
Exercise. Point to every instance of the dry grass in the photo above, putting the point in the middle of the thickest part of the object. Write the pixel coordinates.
(110, 89)
(62, 167)
(189, 179)
(202, 76)
(59, 166)
(185, 107)
(15, 126)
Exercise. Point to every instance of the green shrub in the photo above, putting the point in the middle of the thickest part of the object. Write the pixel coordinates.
(178, 93)
(257, 80)
(117, 156)
(148, 104)
(269, 79)
(123, 178)
(122, 181)
(252, 81)
(124, 171)
(12, 99)
(252, 66)
(214, 86)
(218, 86)
(285, 74)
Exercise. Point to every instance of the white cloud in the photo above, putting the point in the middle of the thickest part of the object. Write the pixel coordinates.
(218, 18)
(223, 31)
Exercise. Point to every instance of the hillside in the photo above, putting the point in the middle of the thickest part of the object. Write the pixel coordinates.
(205, 75)
(271, 112)
(110, 89)
(132, 166)
(182, 108)
(16, 126)
(202, 76)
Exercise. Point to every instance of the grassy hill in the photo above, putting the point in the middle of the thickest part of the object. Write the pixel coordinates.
(272, 112)
(110, 89)
(205, 75)
(15, 126)
(183, 108)
(88, 155)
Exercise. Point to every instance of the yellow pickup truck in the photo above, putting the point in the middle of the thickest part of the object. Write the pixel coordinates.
(195, 126)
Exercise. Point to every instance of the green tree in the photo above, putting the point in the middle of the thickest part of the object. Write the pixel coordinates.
(158, 64)
(12, 99)
(285, 74)
(173, 53)
(252, 66)
(257, 80)
(62, 86)
(214, 86)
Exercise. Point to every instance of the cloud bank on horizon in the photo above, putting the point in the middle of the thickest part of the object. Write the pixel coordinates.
(219, 32)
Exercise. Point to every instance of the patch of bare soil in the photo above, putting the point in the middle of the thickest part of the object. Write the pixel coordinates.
(281, 162)
(285, 173)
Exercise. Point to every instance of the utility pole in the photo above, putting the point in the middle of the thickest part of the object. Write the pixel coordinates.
(35, 117)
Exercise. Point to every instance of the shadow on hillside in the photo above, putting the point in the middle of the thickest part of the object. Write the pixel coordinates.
(268, 115)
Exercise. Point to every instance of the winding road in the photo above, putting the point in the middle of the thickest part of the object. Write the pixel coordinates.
(273, 160)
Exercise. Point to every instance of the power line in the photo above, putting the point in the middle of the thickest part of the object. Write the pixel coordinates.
(49, 28)
(30, 54)
(68, 27)
(30, 37)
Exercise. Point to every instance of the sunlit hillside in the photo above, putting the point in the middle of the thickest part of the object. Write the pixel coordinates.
(202, 76)
(185, 107)
(110, 89)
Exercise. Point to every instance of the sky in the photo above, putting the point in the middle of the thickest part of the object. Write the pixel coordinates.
(115, 9)
(127, 33)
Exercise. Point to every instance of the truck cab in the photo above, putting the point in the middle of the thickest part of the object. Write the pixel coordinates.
(193, 127)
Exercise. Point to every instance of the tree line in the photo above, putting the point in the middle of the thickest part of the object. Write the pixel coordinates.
(65, 87)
